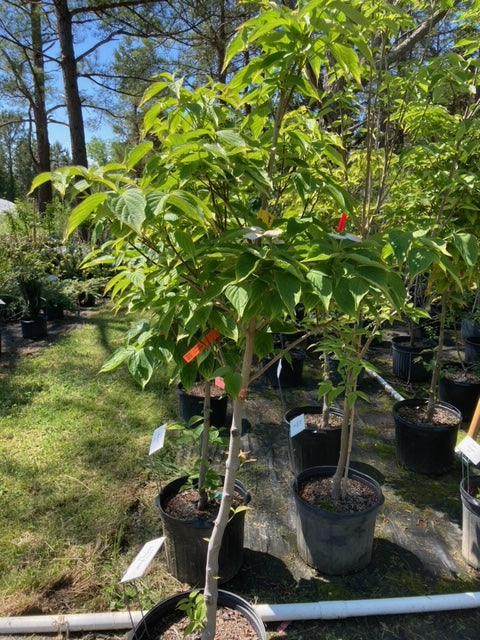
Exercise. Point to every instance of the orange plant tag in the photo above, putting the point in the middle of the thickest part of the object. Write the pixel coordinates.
(220, 383)
(200, 346)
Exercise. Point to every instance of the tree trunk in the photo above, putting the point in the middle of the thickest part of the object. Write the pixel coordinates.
(231, 468)
(68, 63)
(44, 192)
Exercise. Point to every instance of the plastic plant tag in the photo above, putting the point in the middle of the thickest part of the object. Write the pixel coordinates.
(470, 449)
(158, 438)
(266, 217)
(297, 425)
(142, 560)
(279, 369)
(200, 346)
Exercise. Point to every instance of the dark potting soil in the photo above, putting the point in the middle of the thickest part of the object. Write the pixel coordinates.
(357, 495)
(462, 376)
(231, 625)
(417, 415)
(198, 390)
(184, 505)
(313, 421)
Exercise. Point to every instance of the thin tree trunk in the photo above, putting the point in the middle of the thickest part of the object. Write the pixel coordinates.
(203, 498)
(231, 468)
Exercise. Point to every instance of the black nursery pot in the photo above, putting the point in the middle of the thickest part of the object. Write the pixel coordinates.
(187, 540)
(191, 405)
(335, 543)
(472, 349)
(461, 394)
(34, 329)
(425, 448)
(291, 375)
(156, 621)
(408, 362)
(313, 448)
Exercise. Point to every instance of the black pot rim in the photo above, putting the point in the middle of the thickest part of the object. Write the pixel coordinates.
(225, 598)
(328, 471)
(426, 344)
(424, 401)
(312, 410)
(196, 522)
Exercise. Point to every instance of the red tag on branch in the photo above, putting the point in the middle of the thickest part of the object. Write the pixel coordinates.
(200, 346)
(342, 222)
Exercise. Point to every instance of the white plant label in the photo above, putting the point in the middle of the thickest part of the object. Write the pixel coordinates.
(470, 449)
(279, 369)
(158, 439)
(297, 425)
(142, 560)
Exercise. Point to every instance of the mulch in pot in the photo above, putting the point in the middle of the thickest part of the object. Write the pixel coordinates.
(184, 505)
(231, 625)
(417, 415)
(357, 496)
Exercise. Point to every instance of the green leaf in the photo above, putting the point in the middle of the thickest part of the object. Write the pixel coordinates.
(263, 344)
(140, 367)
(232, 138)
(185, 242)
(138, 153)
(419, 260)
(83, 210)
(322, 285)
(129, 208)
(467, 246)
(233, 383)
(289, 289)
(238, 296)
(347, 58)
(117, 358)
(245, 265)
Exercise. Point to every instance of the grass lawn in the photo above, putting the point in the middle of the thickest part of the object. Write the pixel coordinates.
(76, 487)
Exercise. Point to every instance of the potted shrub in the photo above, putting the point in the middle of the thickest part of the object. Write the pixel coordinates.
(29, 268)
(426, 429)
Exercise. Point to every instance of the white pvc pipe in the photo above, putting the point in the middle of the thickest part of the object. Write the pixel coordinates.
(268, 613)
(388, 387)
(69, 622)
(382, 606)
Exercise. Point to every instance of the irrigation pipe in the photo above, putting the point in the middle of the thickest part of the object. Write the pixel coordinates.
(388, 387)
(336, 609)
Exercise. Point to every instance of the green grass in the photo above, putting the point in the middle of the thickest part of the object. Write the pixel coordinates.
(76, 488)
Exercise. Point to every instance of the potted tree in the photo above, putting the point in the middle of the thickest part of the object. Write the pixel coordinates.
(217, 225)
(425, 428)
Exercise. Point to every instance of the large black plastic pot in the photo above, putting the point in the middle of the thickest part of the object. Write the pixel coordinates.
(186, 541)
(312, 448)
(460, 393)
(335, 543)
(425, 448)
(190, 405)
(472, 349)
(291, 374)
(470, 520)
(157, 620)
(34, 329)
(470, 327)
(409, 362)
